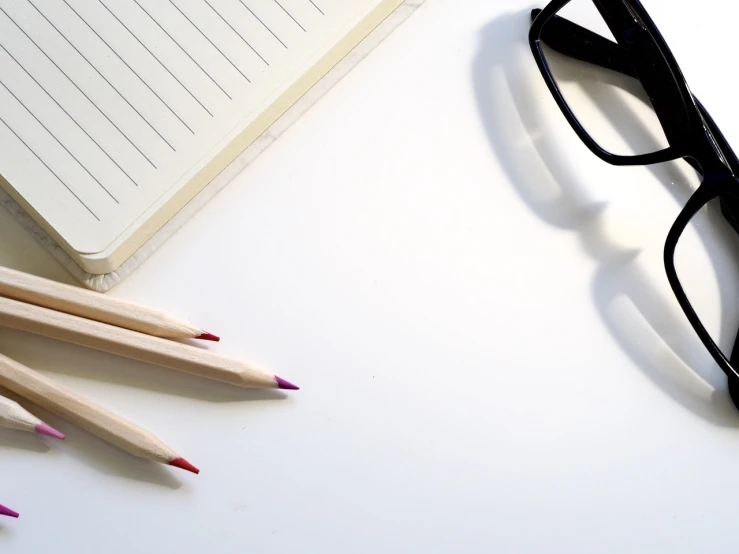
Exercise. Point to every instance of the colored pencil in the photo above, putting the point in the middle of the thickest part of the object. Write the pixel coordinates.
(137, 346)
(93, 305)
(100, 422)
(5, 511)
(15, 416)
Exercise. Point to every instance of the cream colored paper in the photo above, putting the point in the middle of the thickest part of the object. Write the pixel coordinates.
(114, 115)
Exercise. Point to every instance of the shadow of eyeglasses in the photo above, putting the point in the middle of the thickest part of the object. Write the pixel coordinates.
(502, 73)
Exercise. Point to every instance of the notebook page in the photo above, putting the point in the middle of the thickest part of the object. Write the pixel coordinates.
(105, 105)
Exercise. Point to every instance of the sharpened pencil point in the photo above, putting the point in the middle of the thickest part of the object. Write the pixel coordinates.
(7, 512)
(285, 384)
(182, 463)
(49, 431)
(208, 336)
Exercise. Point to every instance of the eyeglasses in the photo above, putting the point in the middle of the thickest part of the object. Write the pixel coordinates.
(630, 105)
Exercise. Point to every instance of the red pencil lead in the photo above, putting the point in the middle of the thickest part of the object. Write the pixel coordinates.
(208, 336)
(182, 463)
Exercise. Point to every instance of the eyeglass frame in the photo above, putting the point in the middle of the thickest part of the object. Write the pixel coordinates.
(700, 141)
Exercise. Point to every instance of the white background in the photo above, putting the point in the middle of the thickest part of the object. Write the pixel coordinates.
(474, 305)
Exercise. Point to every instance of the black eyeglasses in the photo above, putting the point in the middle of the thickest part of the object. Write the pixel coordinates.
(627, 59)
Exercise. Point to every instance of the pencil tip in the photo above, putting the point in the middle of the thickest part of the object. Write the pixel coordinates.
(285, 384)
(182, 463)
(208, 336)
(49, 431)
(8, 512)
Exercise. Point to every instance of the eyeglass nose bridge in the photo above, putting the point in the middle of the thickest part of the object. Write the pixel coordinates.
(710, 164)
(714, 159)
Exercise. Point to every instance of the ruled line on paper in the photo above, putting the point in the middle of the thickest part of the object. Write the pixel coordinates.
(103, 77)
(48, 168)
(81, 128)
(290, 15)
(315, 6)
(237, 33)
(104, 101)
(166, 105)
(206, 37)
(263, 23)
(79, 89)
(130, 32)
(183, 50)
(33, 115)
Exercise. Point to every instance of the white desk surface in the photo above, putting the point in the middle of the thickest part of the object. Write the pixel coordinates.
(473, 304)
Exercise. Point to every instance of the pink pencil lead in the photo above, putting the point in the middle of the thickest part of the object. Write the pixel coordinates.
(4, 511)
(283, 384)
(49, 431)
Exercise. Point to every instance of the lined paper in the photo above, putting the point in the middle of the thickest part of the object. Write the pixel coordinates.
(106, 106)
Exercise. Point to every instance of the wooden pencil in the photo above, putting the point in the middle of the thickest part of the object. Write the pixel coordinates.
(100, 422)
(15, 416)
(138, 346)
(5, 511)
(93, 305)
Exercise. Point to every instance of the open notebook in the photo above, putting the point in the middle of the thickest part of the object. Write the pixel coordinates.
(115, 114)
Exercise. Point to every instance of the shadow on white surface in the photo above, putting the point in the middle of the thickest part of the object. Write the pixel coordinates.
(19, 250)
(86, 448)
(632, 306)
(12, 439)
(66, 359)
(101, 456)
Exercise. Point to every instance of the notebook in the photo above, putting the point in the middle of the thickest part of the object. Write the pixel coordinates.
(114, 115)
